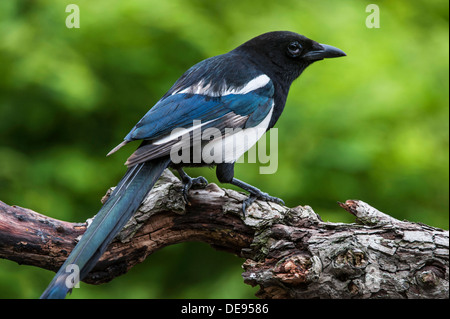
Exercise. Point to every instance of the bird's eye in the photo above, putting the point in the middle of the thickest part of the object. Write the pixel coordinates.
(294, 49)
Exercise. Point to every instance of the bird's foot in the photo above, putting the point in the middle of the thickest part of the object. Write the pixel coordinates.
(189, 182)
(193, 182)
(261, 195)
(255, 194)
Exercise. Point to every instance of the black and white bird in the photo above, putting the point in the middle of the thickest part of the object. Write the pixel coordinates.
(240, 94)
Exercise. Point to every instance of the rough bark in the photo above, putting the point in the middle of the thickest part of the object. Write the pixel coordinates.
(289, 252)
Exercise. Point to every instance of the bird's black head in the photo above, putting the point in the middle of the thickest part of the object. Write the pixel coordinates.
(284, 55)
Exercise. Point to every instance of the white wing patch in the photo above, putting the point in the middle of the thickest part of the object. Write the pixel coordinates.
(177, 133)
(205, 89)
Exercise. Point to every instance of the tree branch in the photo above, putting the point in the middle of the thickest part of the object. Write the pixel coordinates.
(290, 252)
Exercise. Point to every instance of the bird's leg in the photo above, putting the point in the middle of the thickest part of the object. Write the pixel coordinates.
(188, 182)
(225, 174)
(255, 193)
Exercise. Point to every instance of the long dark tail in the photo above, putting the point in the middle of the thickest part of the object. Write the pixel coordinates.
(111, 218)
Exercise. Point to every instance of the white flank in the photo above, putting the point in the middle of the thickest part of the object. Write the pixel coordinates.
(202, 89)
(240, 141)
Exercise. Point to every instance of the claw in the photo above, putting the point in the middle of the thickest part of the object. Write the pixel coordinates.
(189, 182)
(263, 196)
(276, 200)
(247, 203)
(186, 187)
(255, 193)
(199, 181)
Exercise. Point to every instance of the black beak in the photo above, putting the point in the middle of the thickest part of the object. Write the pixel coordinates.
(326, 51)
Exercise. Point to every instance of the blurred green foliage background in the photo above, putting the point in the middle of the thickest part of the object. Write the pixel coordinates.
(370, 126)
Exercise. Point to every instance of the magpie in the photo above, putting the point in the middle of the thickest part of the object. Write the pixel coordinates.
(241, 94)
